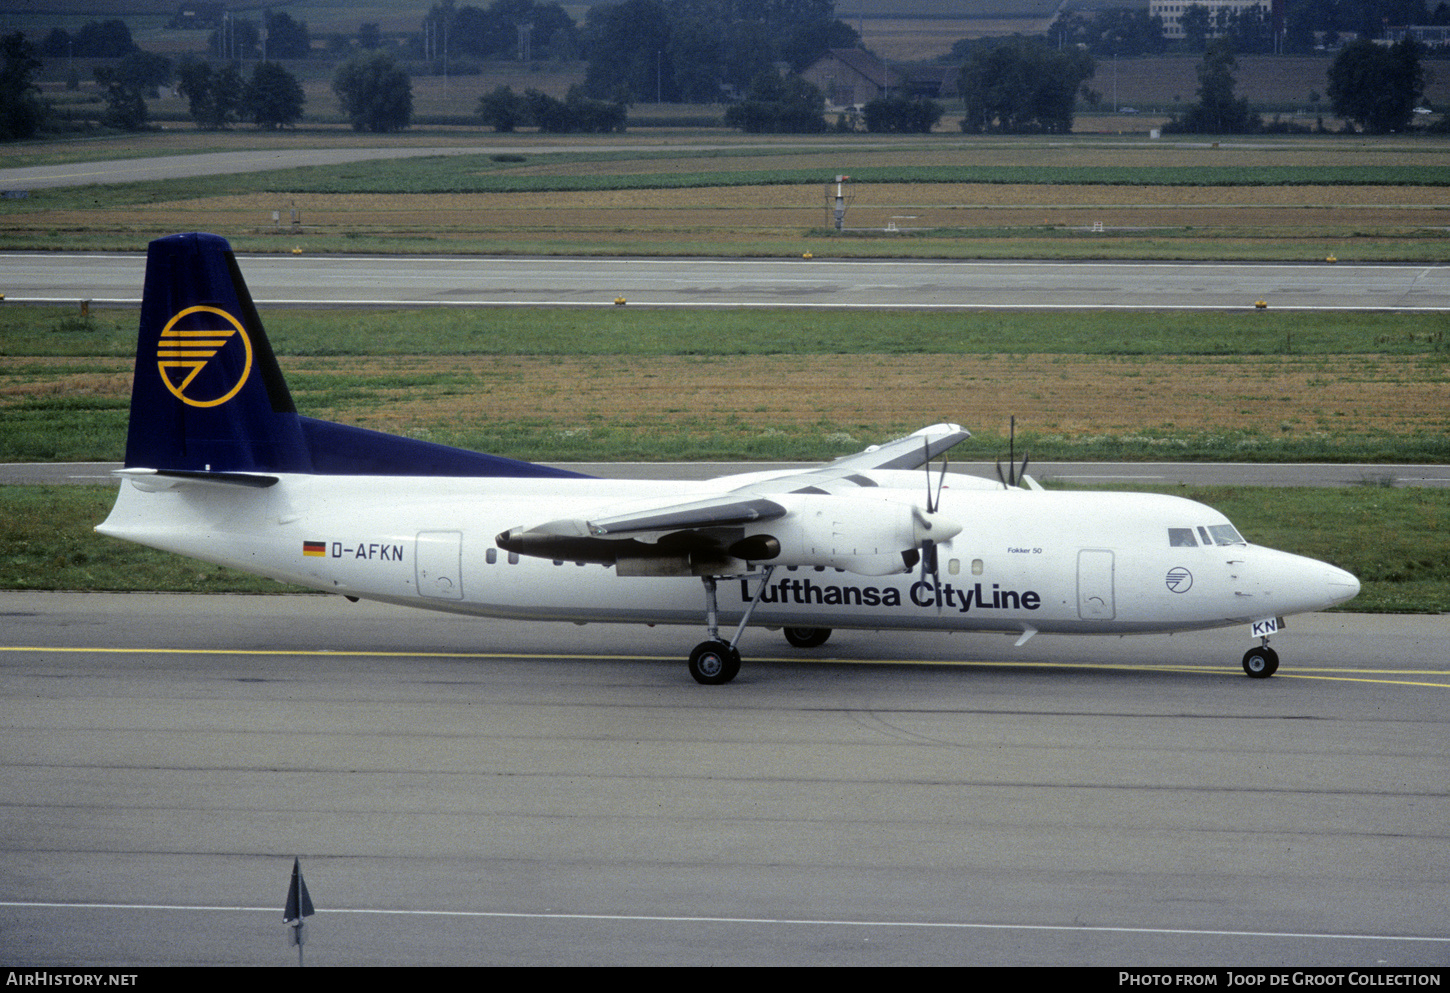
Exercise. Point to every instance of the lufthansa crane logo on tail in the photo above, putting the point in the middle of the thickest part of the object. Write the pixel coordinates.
(191, 341)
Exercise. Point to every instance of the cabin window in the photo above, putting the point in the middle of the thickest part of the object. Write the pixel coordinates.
(491, 556)
(513, 558)
(1182, 538)
(976, 567)
(954, 567)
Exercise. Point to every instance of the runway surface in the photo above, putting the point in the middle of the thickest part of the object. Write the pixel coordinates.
(453, 281)
(464, 791)
(170, 167)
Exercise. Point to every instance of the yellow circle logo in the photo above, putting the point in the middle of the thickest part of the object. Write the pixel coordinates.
(182, 353)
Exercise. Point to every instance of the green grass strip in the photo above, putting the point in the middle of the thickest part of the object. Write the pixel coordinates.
(59, 332)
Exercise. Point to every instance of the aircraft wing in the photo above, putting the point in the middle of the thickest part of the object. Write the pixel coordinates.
(720, 534)
(910, 452)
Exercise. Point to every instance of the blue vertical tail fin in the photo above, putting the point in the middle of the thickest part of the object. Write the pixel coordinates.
(208, 394)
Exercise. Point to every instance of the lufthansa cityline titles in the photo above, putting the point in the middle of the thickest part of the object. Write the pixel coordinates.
(921, 593)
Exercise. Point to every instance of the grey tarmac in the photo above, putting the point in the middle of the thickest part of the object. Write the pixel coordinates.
(466, 792)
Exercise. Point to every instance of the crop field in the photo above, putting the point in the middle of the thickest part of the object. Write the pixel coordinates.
(569, 384)
(724, 194)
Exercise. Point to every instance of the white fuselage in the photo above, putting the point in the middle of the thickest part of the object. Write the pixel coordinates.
(1024, 561)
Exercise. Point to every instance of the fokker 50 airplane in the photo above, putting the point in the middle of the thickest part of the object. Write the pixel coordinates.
(221, 467)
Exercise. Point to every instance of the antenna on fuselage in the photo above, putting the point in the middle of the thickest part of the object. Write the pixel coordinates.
(1014, 475)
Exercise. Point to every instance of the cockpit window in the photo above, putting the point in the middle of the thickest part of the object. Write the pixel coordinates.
(1224, 534)
(1216, 534)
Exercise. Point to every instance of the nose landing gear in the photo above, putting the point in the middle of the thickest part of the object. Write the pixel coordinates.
(1261, 662)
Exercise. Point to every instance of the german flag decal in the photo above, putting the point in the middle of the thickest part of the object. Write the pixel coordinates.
(318, 548)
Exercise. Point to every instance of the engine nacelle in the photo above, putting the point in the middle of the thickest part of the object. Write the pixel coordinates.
(869, 537)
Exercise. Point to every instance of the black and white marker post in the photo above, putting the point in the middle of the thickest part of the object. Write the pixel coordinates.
(299, 905)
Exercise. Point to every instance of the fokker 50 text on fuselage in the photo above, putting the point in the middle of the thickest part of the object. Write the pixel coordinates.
(221, 467)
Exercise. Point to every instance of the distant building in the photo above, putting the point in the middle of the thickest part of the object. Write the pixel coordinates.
(1171, 11)
(849, 77)
(1431, 35)
(198, 16)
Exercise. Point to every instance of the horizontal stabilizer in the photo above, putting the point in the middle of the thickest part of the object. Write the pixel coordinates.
(155, 480)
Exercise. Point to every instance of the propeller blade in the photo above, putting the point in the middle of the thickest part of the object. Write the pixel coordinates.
(926, 465)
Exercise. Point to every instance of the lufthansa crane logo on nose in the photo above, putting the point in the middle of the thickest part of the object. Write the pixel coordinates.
(196, 338)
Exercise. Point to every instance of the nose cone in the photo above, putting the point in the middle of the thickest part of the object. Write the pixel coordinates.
(1341, 586)
(1299, 585)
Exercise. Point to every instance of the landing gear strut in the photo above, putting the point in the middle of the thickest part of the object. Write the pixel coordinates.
(714, 661)
(1261, 662)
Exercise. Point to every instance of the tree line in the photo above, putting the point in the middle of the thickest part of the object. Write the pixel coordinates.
(1374, 87)
(702, 51)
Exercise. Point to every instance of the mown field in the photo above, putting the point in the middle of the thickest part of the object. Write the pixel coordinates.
(724, 194)
(667, 385)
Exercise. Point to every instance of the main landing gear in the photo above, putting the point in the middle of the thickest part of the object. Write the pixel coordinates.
(1261, 662)
(714, 661)
(807, 637)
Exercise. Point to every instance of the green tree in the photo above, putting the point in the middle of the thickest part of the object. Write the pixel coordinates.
(375, 93)
(1251, 30)
(272, 98)
(503, 109)
(902, 115)
(213, 97)
(1377, 87)
(576, 113)
(1022, 87)
(1218, 111)
(145, 71)
(21, 110)
(711, 55)
(507, 29)
(286, 38)
(803, 44)
(779, 105)
(103, 40)
(1196, 22)
(700, 50)
(125, 105)
(628, 46)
